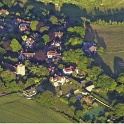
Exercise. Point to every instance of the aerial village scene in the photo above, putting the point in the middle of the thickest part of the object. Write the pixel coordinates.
(51, 68)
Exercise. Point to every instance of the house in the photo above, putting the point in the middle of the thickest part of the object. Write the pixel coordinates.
(51, 54)
(29, 43)
(89, 47)
(3, 11)
(58, 34)
(56, 44)
(23, 27)
(89, 86)
(23, 21)
(29, 92)
(20, 69)
(68, 70)
(58, 80)
(23, 55)
(36, 57)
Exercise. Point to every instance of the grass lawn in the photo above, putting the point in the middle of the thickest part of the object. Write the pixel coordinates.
(111, 38)
(14, 108)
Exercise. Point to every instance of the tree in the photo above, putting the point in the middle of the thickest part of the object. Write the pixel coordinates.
(118, 110)
(7, 76)
(27, 63)
(33, 25)
(29, 82)
(39, 71)
(7, 2)
(13, 86)
(47, 99)
(77, 29)
(2, 87)
(120, 88)
(93, 73)
(54, 20)
(2, 51)
(79, 114)
(121, 78)
(106, 82)
(61, 66)
(1, 69)
(1, 4)
(45, 28)
(72, 55)
(24, 37)
(77, 57)
(46, 38)
(15, 45)
(75, 41)
(72, 100)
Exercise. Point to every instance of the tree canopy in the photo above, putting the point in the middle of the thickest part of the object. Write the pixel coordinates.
(15, 45)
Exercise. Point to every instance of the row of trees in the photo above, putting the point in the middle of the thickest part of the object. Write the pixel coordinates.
(103, 22)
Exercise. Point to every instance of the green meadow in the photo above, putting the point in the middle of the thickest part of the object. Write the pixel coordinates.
(16, 109)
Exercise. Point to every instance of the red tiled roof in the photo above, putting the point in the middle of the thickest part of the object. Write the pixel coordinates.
(28, 54)
(54, 53)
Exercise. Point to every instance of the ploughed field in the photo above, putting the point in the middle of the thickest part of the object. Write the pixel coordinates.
(14, 108)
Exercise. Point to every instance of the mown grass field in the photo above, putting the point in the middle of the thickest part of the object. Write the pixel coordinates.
(112, 39)
(15, 109)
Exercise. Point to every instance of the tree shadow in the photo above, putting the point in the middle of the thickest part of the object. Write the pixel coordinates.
(114, 14)
(118, 66)
(100, 40)
(73, 12)
(48, 86)
(98, 61)
(90, 35)
(115, 97)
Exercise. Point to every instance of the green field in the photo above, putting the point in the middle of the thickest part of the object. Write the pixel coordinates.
(16, 109)
(111, 38)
